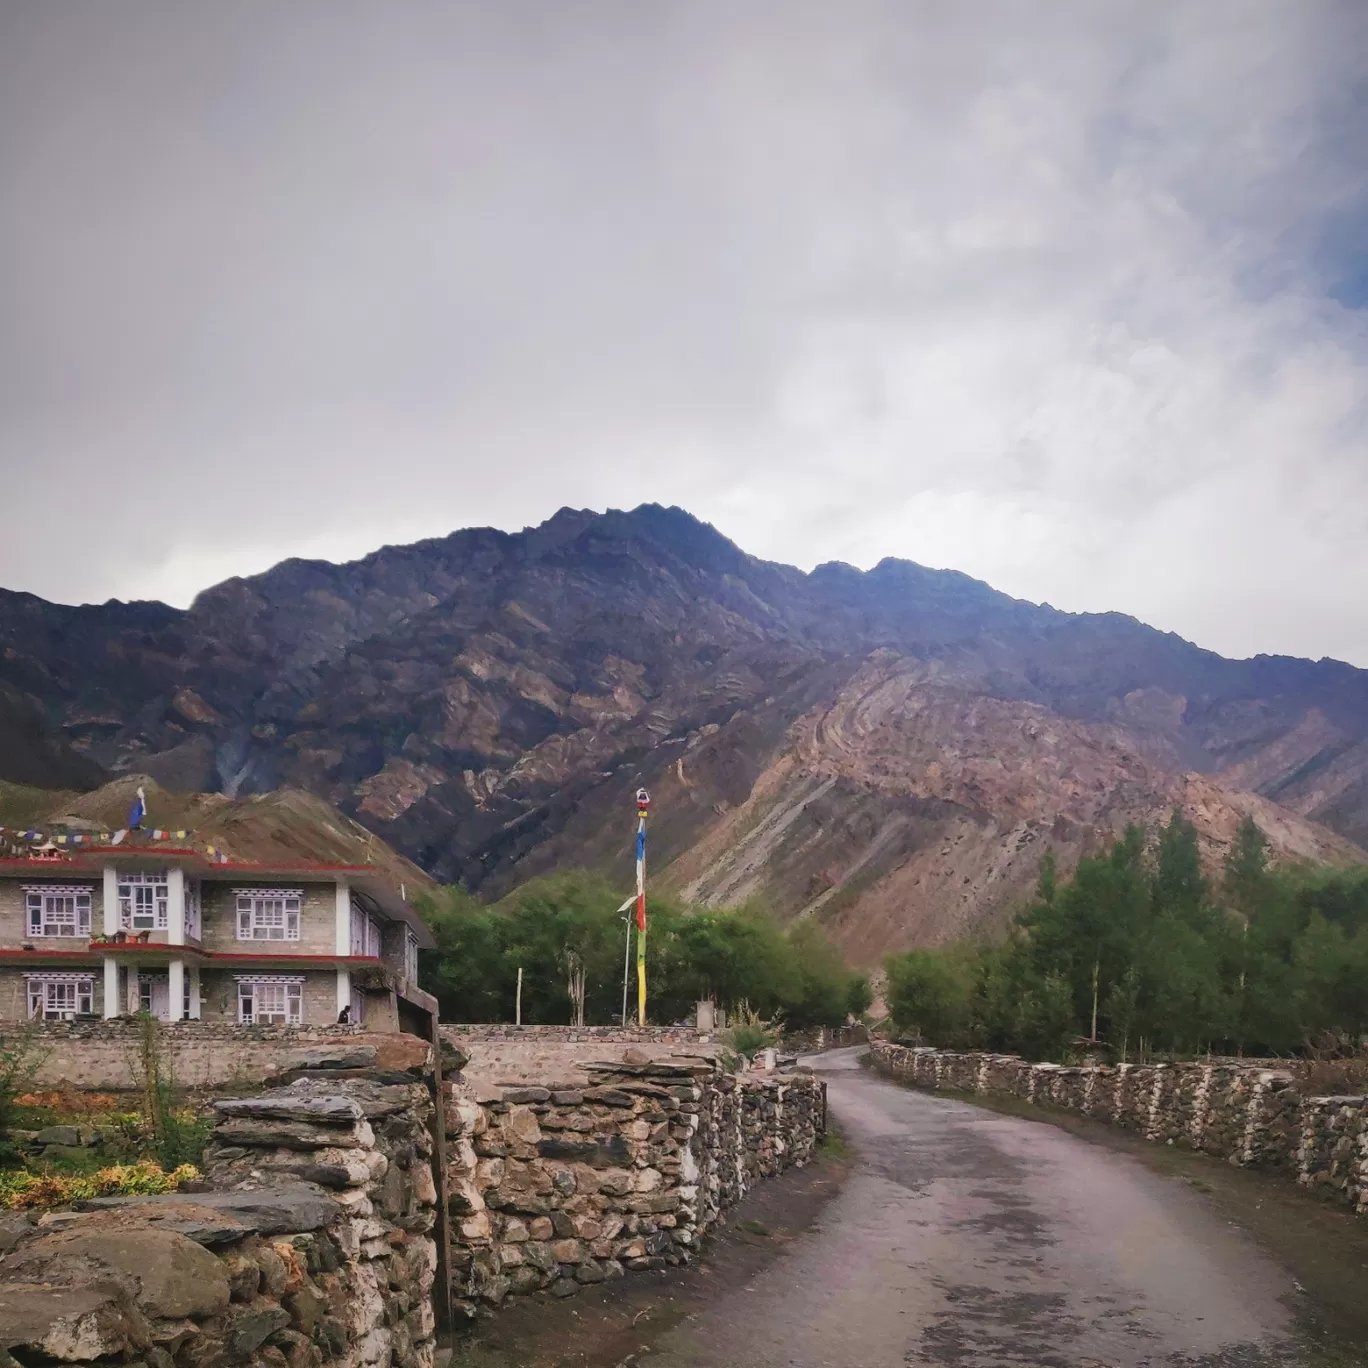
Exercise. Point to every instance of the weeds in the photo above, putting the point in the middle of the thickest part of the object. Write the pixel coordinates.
(27, 1189)
(177, 1135)
(748, 1034)
(20, 1059)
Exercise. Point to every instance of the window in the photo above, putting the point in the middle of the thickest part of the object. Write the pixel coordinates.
(192, 910)
(142, 901)
(410, 956)
(274, 1000)
(268, 914)
(58, 910)
(60, 997)
(365, 932)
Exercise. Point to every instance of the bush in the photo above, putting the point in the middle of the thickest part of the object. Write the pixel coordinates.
(27, 1189)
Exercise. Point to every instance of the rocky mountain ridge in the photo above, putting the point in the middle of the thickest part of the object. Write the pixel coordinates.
(889, 750)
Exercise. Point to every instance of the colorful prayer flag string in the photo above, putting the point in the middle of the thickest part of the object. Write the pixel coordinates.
(643, 802)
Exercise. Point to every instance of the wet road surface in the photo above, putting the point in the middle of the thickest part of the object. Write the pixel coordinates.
(968, 1239)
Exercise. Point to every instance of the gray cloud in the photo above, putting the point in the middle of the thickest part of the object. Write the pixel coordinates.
(1060, 294)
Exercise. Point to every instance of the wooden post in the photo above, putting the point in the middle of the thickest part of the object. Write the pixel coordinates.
(517, 1017)
(441, 1288)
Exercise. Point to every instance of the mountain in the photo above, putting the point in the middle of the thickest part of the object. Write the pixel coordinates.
(889, 751)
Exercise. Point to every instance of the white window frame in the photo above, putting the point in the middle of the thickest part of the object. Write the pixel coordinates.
(410, 955)
(273, 995)
(260, 912)
(144, 900)
(59, 997)
(47, 915)
(365, 932)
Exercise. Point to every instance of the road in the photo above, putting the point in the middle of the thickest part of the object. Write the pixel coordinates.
(975, 1240)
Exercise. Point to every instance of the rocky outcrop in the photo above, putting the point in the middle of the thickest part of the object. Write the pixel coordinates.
(888, 751)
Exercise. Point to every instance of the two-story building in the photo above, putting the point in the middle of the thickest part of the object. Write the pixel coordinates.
(112, 931)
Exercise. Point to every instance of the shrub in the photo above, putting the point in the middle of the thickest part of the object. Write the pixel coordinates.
(749, 1033)
(28, 1189)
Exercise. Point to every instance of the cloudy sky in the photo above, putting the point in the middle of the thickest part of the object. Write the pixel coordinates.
(1070, 296)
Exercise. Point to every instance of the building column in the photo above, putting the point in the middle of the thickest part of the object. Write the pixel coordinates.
(175, 989)
(342, 920)
(111, 988)
(342, 944)
(175, 911)
(195, 1008)
(111, 900)
(131, 1006)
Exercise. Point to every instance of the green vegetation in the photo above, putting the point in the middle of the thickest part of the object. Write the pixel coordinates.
(748, 1033)
(20, 1058)
(1143, 954)
(110, 1150)
(566, 934)
(24, 1188)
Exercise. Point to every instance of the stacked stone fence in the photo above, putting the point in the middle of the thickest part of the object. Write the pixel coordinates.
(314, 1247)
(557, 1187)
(532, 1054)
(1251, 1113)
(103, 1056)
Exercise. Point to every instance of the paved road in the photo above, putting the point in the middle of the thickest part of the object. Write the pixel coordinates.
(974, 1240)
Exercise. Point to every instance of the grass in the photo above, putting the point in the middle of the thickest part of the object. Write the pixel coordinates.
(834, 1145)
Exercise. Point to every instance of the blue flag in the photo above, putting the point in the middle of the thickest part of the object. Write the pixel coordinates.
(139, 809)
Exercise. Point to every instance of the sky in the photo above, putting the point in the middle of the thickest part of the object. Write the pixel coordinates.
(1071, 295)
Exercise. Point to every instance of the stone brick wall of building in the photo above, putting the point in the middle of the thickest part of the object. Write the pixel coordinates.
(317, 917)
(14, 916)
(1251, 1113)
(14, 989)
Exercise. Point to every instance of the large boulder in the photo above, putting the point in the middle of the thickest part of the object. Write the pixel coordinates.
(15, 1227)
(171, 1276)
(59, 1135)
(341, 1055)
(69, 1324)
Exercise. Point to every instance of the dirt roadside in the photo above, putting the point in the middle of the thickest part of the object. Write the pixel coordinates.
(609, 1325)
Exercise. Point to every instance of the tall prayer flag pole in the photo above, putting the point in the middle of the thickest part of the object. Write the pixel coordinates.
(643, 802)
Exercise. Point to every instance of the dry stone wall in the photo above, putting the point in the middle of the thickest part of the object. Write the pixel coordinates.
(103, 1055)
(315, 1246)
(558, 1186)
(533, 1054)
(1249, 1113)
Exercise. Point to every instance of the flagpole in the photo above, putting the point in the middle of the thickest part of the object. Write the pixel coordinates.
(626, 955)
(643, 801)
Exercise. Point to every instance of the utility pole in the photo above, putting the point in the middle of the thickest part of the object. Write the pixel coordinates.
(517, 1010)
(625, 912)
